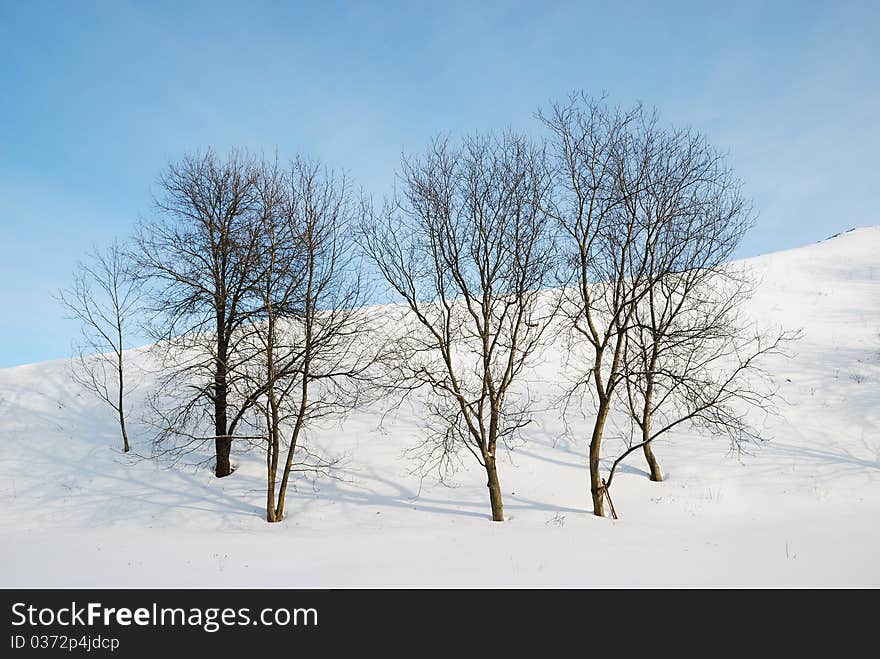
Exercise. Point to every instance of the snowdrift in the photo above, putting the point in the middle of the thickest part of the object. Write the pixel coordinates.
(798, 510)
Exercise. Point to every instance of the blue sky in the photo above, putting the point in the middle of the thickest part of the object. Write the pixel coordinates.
(95, 98)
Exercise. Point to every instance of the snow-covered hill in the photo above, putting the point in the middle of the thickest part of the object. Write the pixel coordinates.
(801, 509)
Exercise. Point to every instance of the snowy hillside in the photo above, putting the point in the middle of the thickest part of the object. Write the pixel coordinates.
(799, 510)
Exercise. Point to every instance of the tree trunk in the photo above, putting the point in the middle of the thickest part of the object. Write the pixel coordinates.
(656, 474)
(270, 502)
(494, 491)
(120, 373)
(653, 465)
(126, 448)
(272, 469)
(288, 464)
(274, 513)
(273, 422)
(302, 411)
(596, 491)
(222, 440)
(223, 445)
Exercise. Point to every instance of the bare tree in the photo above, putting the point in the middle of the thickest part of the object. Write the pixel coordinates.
(691, 355)
(199, 255)
(467, 249)
(597, 168)
(697, 362)
(652, 217)
(309, 349)
(105, 297)
(689, 319)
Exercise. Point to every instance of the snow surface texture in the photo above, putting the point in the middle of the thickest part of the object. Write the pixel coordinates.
(800, 510)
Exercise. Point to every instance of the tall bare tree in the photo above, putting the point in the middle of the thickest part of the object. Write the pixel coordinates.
(105, 297)
(651, 216)
(199, 255)
(466, 247)
(310, 351)
(692, 356)
(597, 168)
(690, 317)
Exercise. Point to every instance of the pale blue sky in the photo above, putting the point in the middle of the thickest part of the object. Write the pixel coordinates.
(96, 97)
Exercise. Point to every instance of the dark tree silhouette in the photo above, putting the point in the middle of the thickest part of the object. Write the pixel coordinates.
(199, 256)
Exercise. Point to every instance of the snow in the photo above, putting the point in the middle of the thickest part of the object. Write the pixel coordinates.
(799, 510)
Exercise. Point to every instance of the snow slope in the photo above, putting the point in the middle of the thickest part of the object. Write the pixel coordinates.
(800, 510)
